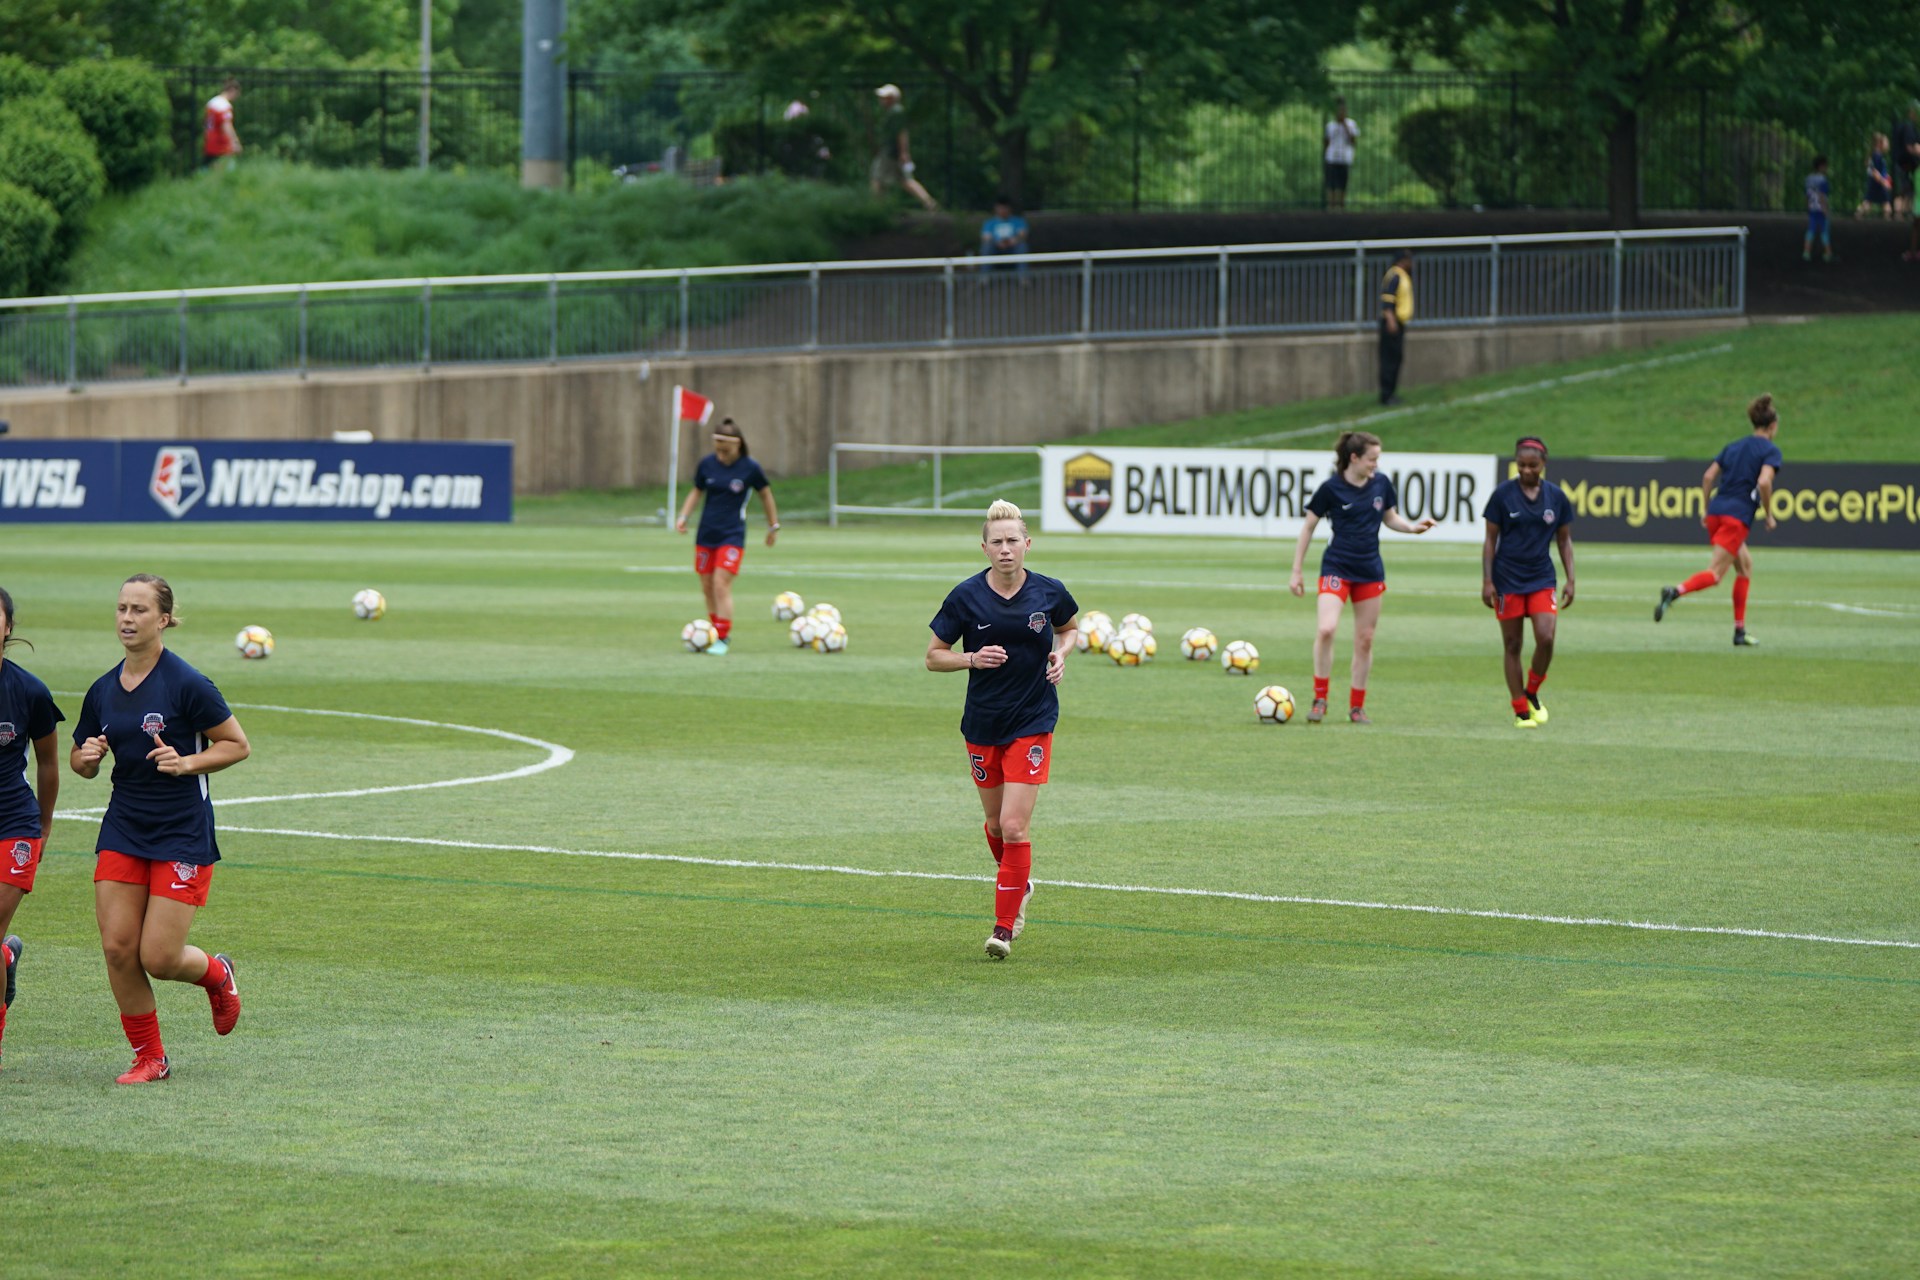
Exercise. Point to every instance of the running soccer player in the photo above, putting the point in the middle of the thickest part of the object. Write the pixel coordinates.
(166, 727)
(1524, 515)
(1738, 485)
(1358, 500)
(724, 476)
(27, 714)
(1018, 627)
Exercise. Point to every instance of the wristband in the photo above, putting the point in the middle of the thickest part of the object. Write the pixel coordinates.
(971, 664)
(774, 527)
(906, 167)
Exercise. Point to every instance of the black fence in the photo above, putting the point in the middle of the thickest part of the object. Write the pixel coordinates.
(1426, 139)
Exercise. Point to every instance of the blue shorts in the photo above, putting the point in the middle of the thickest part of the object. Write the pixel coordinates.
(1817, 224)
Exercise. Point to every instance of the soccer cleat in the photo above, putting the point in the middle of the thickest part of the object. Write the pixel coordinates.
(718, 648)
(146, 1070)
(1741, 640)
(225, 1000)
(1020, 921)
(1525, 722)
(999, 943)
(1358, 715)
(14, 948)
(1539, 708)
(1667, 596)
(1317, 712)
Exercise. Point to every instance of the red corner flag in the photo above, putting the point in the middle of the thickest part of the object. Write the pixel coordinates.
(690, 406)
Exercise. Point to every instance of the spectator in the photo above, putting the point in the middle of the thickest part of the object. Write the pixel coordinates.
(1879, 195)
(222, 143)
(1906, 158)
(893, 162)
(1819, 198)
(1396, 313)
(1004, 234)
(1342, 133)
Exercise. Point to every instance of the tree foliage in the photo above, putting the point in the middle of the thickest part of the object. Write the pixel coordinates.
(123, 104)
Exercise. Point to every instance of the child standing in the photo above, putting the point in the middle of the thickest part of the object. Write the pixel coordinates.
(1879, 196)
(1819, 195)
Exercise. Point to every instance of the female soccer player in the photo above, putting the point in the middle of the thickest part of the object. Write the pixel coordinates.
(1018, 627)
(1358, 500)
(166, 727)
(1523, 516)
(724, 475)
(1744, 473)
(27, 714)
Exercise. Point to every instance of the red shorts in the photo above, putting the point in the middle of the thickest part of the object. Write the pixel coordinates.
(707, 559)
(1022, 760)
(1524, 604)
(22, 859)
(1727, 532)
(181, 881)
(1348, 589)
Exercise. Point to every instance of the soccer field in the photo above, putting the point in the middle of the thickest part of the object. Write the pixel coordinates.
(568, 953)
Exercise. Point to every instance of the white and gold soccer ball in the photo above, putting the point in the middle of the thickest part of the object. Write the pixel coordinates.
(1150, 648)
(807, 628)
(254, 642)
(832, 640)
(1240, 659)
(1129, 648)
(1138, 621)
(1100, 617)
(699, 635)
(1199, 644)
(787, 606)
(369, 605)
(1096, 638)
(826, 611)
(1273, 704)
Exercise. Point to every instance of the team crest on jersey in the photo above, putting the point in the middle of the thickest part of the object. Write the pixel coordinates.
(1547, 515)
(1036, 755)
(1379, 504)
(7, 734)
(185, 871)
(1036, 622)
(737, 486)
(22, 853)
(153, 722)
(1087, 483)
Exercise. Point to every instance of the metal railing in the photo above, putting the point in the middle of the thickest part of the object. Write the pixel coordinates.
(1319, 287)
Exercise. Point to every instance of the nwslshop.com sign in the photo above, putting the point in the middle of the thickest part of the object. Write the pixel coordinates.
(1250, 493)
(1815, 504)
(200, 480)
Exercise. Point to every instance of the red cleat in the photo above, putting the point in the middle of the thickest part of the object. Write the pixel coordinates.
(225, 1000)
(146, 1070)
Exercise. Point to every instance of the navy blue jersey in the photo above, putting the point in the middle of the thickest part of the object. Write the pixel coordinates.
(1522, 560)
(151, 814)
(1354, 553)
(1013, 700)
(723, 520)
(1740, 463)
(26, 712)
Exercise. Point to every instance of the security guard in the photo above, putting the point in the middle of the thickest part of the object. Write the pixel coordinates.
(1396, 313)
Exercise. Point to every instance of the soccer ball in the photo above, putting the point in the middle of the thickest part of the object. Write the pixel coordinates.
(826, 611)
(1273, 704)
(1097, 617)
(1199, 644)
(699, 635)
(254, 642)
(787, 606)
(369, 605)
(832, 640)
(807, 628)
(1240, 659)
(1151, 646)
(1138, 621)
(1129, 648)
(1096, 637)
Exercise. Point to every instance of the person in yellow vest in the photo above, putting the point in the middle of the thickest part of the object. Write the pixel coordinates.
(1396, 313)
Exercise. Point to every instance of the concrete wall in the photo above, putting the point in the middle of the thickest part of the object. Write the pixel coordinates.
(600, 425)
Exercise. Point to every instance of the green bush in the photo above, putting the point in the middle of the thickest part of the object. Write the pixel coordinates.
(41, 111)
(62, 169)
(27, 224)
(20, 78)
(123, 104)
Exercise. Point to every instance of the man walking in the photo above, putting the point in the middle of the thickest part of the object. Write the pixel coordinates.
(1396, 313)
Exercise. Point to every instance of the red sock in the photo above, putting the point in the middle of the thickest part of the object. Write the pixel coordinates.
(1534, 680)
(1522, 708)
(143, 1033)
(1698, 582)
(1356, 698)
(1320, 685)
(1010, 887)
(215, 977)
(722, 625)
(995, 845)
(1740, 589)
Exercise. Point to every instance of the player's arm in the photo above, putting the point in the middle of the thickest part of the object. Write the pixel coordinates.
(226, 747)
(1563, 538)
(1707, 483)
(773, 515)
(46, 781)
(686, 508)
(1400, 524)
(1295, 583)
(942, 656)
(1063, 642)
(1766, 494)
(1486, 563)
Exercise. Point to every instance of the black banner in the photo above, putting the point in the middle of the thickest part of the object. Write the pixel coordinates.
(1816, 504)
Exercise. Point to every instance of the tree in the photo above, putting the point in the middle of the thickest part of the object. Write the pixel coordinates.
(1019, 67)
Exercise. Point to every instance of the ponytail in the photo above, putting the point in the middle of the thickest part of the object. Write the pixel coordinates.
(1760, 413)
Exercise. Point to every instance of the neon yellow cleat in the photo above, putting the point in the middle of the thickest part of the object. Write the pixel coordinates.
(1539, 707)
(1525, 722)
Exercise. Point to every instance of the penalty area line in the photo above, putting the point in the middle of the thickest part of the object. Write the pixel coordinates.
(827, 868)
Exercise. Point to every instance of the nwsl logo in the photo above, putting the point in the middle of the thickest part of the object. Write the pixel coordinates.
(177, 480)
(153, 722)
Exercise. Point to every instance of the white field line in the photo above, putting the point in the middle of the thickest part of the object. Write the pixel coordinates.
(1157, 890)
(1484, 397)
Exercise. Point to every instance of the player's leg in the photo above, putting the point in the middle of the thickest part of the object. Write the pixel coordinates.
(1366, 617)
(120, 907)
(1546, 625)
(1742, 584)
(722, 579)
(10, 947)
(1512, 636)
(1716, 569)
(165, 952)
(1016, 862)
(1328, 605)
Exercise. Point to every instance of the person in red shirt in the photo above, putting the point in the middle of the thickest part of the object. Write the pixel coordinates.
(222, 143)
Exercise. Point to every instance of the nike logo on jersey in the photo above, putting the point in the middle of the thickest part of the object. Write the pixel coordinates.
(1345, 505)
(178, 885)
(1514, 514)
(982, 626)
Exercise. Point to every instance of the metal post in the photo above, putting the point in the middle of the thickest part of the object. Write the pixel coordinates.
(1086, 296)
(936, 479)
(183, 337)
(813, 306)
(1359, 286)
(1619, 254)
(947, 279)
(686, 305)
(1740, 287)
(303, 331)
(73, 344)
(573, 117)
(1493, 281)
(1220, 317)
(426, 326)
(553, 319)
(833, 487)
(426, 80)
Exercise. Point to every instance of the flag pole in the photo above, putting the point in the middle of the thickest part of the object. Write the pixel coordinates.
(673, 455)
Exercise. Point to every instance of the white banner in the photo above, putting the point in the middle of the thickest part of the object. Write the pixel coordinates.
(1245, 493)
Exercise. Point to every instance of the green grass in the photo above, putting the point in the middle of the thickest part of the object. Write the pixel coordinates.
(272, 223)
(514, 1063)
